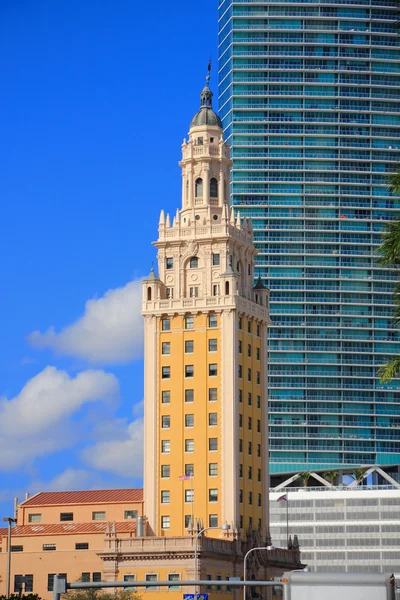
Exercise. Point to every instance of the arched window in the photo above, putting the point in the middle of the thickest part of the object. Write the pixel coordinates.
(213, 188)
(149, 293)
(194, 262)
(226, 288)
(198, 188)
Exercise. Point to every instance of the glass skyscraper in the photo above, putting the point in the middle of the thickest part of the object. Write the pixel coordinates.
(309, 99)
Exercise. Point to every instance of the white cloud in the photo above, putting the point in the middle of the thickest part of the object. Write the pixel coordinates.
(110, 330)
(41, 419)
(122, 456)
(69, 479)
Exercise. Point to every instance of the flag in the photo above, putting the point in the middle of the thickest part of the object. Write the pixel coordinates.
(284, 497)
(184, 477)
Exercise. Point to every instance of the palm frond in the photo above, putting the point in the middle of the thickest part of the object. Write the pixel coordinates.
(390, 370)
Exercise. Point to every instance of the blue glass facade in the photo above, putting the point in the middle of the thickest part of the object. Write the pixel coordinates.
(309, 98)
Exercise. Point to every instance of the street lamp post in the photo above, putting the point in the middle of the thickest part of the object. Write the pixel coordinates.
(225, 527)
(268, 548)
(9, 520)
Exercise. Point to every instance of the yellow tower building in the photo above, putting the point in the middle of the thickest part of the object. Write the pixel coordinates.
(205, 398)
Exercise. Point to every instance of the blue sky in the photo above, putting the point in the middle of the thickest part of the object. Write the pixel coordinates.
(96, 99)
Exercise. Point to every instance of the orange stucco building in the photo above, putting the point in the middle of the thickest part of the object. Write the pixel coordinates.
(64, 532)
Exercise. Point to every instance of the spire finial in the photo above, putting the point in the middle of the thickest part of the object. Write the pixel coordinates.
(208, 76)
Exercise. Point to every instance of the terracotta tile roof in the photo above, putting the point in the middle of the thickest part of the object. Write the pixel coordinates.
(85, 497)
(70, 528)
(3, 531)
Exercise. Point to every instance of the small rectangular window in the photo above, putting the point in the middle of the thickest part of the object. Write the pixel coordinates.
(249, 473)
(249, 326)
(213, 495)
(258, 331)
(250, 496)
(96, 577)
(258, 475)
(48, 547)
(189, 445)
(251, 523)
(200, 141)
(189, 347)
(189, 322)
(213, 444)
(249, 448)
(258, 353)
(249, 399)
(166, 348)
(82, 546)
(189, 420)
(213, 321)
(240, 323)
(216, 260)
(166, 324)
(258, 401)
(166, 397)
(66, 516)
(98, 515)
(189, 496)
(248, 374)
(130, 514)
(213, 469)
(50, 580)
(240, 420)
(213, 370)
(131, 578)
(212, 345)
(189, 469)
(240, 496)
(249, 423)
(189, 370)
(169, 292)
(165, 524)
(240, 396)
(258, 426)
(215, 289)
(165, 471)
(165, 446)
(240, 445)
(212, 394)
(240, 346)
(28, 583)
(165, 496)
(241, 521)
(249, 350)
(85, 577)
(165, 421)
(240, 470)
(259, 500)
(240, 371)
(174, 577)
(189, 395)
(259, 450)
(17, 548)
(165, 372)
(212, 419)
(35, 518)
(213, 521)
(18, 583)
(258, 377)
(193, 293)
(169, 262)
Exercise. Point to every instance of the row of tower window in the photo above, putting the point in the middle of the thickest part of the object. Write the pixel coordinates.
(189, 323)
(189, 347)
(241, 322)
(189, 395)
(212, 471)
(189, 371)
(193, 262)
(189, 420)
(250, 399)
(212, 496)
(249, 374)
(189, 445)
(213, 521)
(198, 187)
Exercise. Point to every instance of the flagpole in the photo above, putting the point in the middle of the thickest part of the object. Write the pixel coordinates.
(287, 520)
(191, 485)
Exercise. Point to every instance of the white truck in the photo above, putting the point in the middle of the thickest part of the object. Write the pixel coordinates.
(302, 585)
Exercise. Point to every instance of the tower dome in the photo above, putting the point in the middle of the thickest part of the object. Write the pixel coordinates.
(206, 115)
